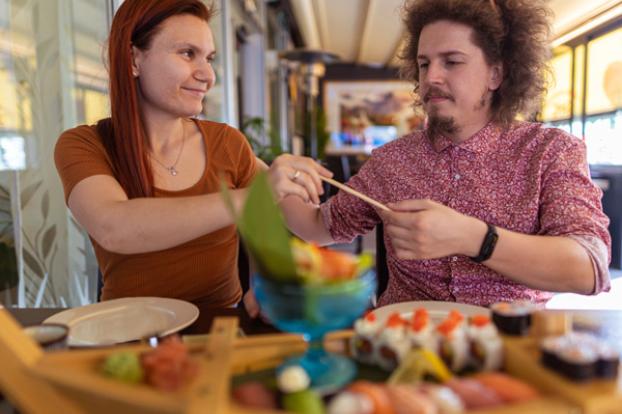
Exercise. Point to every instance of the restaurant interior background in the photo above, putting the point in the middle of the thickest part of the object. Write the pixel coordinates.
(52, 77)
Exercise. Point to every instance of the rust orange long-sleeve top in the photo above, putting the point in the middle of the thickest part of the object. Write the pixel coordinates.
(201, 270)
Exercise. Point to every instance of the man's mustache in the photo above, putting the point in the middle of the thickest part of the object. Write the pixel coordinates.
(436, 93)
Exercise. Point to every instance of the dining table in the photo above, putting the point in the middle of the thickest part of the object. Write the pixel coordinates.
(606, 324)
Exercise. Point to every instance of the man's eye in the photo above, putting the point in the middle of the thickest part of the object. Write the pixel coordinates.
(188, 53)
(423, 65)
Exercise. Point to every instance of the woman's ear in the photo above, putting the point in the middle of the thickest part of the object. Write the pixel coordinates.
(136, 58)
(496, 76)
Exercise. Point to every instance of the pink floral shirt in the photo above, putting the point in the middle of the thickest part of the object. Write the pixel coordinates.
(528, 179)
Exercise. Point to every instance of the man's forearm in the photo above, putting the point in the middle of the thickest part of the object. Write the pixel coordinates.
(552, 263)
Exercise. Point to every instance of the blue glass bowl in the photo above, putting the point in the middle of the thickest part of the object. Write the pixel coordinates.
(313, 310)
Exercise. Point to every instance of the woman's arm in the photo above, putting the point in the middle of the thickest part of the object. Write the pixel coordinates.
(305, 221)
(144, 225)
(301, 211)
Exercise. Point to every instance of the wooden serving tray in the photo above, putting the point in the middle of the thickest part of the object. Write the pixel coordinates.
(593, 397)
(268, 351)
(70, 381)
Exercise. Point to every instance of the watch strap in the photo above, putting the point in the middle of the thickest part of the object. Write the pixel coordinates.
(488, 245)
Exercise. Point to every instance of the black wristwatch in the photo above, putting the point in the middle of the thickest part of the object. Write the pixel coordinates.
(488, 245)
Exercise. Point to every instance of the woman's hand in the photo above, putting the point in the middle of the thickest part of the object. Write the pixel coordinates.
(300, 176)
(424, 229)
(250, 303)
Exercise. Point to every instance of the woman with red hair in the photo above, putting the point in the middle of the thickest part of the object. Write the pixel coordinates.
(145, 182)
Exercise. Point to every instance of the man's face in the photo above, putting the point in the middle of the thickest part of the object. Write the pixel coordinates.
(456, 83)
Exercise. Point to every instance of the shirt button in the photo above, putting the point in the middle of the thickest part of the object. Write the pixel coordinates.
(454, 258)
(456, 176)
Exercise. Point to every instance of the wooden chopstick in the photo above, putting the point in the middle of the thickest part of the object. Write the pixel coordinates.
(355, 193)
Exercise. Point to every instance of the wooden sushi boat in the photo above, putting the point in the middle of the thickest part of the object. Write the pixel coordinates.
(71, 381)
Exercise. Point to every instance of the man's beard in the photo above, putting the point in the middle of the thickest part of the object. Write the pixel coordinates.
(446, 125)
(441, 125)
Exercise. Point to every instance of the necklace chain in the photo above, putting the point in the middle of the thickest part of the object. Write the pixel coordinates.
(172, 170)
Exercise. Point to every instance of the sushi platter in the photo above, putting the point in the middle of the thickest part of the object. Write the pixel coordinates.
(72, 381)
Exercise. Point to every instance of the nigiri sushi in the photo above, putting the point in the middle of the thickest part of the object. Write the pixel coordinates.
(510, 389)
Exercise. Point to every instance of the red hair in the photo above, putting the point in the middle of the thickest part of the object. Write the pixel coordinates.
(124, 135)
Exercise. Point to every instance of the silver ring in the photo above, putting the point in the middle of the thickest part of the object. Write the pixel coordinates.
(296, 175)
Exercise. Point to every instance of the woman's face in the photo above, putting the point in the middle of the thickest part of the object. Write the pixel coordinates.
(175, 72)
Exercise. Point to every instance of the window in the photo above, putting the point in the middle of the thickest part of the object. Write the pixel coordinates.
(585, 96)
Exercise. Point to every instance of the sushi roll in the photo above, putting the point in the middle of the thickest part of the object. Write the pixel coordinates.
(486, 345)
(453, 347)
(580, 356)
(362, 343)
(608, 361)
(571, 355)
(513, 318)
(420, 331)
(511, 390)
(393, 344)
(578, 362)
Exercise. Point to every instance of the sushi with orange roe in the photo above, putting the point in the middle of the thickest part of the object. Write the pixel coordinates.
(486, 347)
(420, 330)
(453, 347)
(392, 343)
(363, 342)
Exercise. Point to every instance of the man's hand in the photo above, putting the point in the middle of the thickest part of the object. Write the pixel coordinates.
(424, 229)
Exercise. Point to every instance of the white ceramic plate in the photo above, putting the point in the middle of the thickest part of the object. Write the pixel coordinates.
(126, 319)
(437, 310)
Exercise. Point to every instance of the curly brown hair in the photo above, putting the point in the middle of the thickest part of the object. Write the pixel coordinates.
(513, 32)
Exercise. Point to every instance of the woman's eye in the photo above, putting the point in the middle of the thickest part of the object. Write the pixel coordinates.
(188, 53)
(423, 65)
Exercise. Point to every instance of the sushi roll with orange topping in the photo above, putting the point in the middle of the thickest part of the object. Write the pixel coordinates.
(486, 347)
(362, 343)
(393, 344)
(453, 347)
(420, 331)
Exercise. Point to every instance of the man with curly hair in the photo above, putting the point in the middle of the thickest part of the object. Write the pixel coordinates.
(485, 208)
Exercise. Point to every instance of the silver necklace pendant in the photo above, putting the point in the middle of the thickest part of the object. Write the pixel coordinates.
(172, 170)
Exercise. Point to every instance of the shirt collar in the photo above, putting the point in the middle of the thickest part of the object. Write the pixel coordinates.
(482, 142)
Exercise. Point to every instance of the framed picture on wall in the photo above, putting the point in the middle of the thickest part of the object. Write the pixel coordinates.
(369, 113)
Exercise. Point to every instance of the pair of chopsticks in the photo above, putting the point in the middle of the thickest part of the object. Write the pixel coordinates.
(355, 193)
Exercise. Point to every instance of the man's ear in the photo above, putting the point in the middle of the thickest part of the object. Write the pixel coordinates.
(496, 76)
(136, 58)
